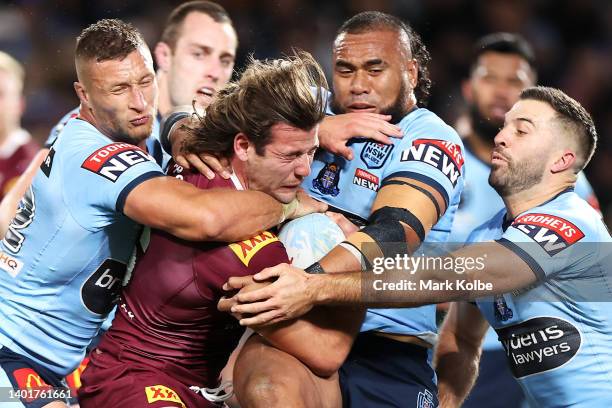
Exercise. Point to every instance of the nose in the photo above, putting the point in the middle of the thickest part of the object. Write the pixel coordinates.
(501, 139)
(302, 167)
(137, 100)
(360, 83)
(213, 70)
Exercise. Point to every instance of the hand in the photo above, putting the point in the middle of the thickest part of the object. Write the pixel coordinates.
(344, 223)
(286, 298)
(208, 165)
(306, 205)
(335, 131)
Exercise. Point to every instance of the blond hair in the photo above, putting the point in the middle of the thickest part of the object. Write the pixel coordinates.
(13, 67)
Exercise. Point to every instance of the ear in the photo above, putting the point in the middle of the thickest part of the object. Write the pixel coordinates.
(566, 161)
(242, 146)
(466, 90)
(413, 72)
(163, 56)
(81, 92)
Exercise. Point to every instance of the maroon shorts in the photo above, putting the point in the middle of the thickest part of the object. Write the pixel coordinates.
(117, 379)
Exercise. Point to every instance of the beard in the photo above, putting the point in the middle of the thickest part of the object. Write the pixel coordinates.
(517, 176)
(483, 127)
(397, 109)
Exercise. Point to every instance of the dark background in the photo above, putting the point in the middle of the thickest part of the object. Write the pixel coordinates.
(572, 39)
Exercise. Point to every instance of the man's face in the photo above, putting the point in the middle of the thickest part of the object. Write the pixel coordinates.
(285, 162)
(11, 105)
(496, 84)
(373, 73)
(202, 61)
(122, 95)
(523, 148)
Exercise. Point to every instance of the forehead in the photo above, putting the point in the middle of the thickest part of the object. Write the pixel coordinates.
(287, 137)
(200, 29)
(136, 64)
(386, 45)
(540, 113)
(502, 63)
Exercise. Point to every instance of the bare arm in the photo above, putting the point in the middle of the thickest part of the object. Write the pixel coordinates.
(458, 353)
(10, 201)
(212, 215)
(296, 292)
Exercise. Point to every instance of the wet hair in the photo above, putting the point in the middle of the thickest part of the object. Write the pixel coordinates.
(287, 90)
(368, 21)
(573, 118)
(108, 39)
(174, 24)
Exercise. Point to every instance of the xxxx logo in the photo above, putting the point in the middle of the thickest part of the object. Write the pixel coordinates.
(246, 250)
(162, 393)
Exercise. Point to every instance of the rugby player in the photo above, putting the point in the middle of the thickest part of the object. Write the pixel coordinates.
(66, 251)
(547, 273)
(403, 194)
(503, 65)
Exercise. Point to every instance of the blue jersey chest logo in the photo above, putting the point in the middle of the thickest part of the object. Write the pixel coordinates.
(374, 155)
(327, 179)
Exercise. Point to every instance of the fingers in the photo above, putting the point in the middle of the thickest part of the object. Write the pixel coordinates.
(268, 273)
(181, 161)
(215, 165)
(237, 282)
(267, 318)
(253, 308)
(255, 295)
(225, 304)
(195, 161)
(344, 151)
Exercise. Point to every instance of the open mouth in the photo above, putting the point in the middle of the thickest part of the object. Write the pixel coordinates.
(361, 107)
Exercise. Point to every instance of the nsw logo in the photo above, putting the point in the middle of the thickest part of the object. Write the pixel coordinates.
(443, 155)
(552, 233)
(374, 154)
(365, 179)
(112, 160)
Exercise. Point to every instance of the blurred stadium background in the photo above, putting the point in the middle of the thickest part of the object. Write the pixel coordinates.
(572, 39)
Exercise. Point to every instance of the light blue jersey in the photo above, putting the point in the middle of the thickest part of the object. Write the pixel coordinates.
(64, 256)
(480, 202)
(430, 152)
(557, 332)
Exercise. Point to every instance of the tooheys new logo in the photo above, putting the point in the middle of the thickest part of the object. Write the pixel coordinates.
(539, 344)
(112, 160)
(441, 154)
(552, 233)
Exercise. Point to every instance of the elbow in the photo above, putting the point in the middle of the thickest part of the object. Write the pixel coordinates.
(210, 226)
(324, 366)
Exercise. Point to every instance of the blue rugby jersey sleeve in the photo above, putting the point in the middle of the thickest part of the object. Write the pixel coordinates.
(59, 126)
(432, 153)
(551, 244)
(98, 177)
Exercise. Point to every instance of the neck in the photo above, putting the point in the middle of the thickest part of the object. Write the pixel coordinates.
(5, 132)
(164, 105)
(532, 197)
(481, 147)
(239, 170)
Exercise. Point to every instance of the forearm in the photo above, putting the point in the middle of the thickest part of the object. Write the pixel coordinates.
(321, 339)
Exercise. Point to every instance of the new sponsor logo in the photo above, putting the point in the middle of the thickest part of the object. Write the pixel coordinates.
(552, 233)
(327, 180)
(441, 154)
(27, 378)
(374, 154)
(540, 344)
(101, 290)
(112, 160)
(162, 393)
(246, 250)
(10, 265)
(365, 179)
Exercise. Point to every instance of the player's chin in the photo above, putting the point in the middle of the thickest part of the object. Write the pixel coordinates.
(139, 134)
(285, 194)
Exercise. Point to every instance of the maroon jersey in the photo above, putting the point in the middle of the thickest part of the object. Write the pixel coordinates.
(168, 311)
(15, 156)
